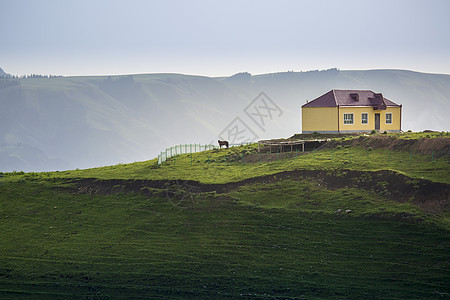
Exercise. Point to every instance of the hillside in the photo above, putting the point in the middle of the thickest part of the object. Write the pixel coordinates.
(361, 217)
(80, 122)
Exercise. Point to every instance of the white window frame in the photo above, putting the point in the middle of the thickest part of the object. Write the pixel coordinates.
(386, 118)
(367, 120)
(352, 119)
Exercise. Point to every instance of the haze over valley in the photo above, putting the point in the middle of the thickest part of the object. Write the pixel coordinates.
(63, 123)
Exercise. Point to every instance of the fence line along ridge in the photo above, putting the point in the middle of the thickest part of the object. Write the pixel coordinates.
(188, 148)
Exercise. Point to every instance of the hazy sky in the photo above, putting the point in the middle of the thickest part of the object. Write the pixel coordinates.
(215, 38)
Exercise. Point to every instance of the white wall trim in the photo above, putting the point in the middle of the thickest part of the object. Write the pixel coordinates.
(367, 118)
(353, 118)
(385, 118)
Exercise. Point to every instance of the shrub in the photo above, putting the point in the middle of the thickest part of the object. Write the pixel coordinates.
(410, 130)
(385, 132)
(369, 149)
(338, 147)
(373, 132)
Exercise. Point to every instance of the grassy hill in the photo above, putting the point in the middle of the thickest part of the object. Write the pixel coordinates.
(68, 122)
(227, 224)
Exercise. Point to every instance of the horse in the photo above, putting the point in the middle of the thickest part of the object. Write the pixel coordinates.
(223, 143)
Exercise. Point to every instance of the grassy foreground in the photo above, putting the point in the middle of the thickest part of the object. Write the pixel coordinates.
(274, 240)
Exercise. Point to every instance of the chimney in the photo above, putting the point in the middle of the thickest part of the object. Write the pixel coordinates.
(355, 96)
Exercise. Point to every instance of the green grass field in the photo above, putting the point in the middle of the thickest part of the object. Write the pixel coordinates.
(277, 238)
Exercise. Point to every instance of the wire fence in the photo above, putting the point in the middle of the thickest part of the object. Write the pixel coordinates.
(332, 156)
(188, 148)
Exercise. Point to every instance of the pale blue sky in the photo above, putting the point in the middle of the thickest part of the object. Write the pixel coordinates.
(220, 38)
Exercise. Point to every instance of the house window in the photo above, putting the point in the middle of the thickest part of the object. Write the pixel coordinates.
(388, 118)
(364, 118)
(348, 118)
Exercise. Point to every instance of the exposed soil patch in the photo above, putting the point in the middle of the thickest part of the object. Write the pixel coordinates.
(439, 146)
(430, 196)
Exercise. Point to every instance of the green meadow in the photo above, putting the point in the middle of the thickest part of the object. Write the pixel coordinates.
(226, 224)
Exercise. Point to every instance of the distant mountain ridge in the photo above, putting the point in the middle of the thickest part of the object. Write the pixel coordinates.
(85, 121)
(3, 73)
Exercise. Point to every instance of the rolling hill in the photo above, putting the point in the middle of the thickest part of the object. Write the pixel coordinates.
(79, 122)
(363, 217)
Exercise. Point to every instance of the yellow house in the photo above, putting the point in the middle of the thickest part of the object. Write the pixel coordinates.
(348, 111)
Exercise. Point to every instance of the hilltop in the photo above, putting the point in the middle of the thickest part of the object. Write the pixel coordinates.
(360, 217)
(68, 122)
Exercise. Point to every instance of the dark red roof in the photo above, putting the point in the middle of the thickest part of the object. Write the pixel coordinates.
(351, 98)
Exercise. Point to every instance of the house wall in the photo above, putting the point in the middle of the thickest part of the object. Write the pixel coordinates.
(357, 125)
(319, 119)
(325, 119)
(396, 119)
